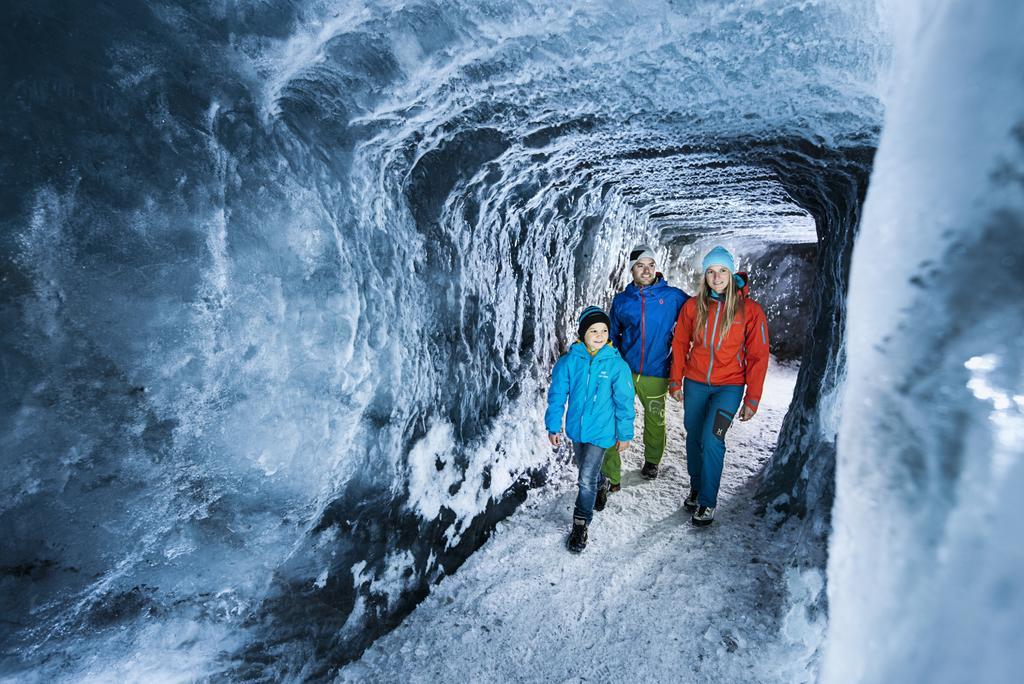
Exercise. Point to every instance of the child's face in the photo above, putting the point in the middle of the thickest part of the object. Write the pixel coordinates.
(596, 336)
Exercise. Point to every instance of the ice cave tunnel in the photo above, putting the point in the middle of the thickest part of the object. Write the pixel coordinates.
(282, 285)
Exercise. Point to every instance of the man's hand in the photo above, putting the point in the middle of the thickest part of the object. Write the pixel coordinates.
(676, 394)
(622, 446)
(746, 413)
(555, 439)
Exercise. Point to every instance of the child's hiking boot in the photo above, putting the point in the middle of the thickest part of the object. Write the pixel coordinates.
(690, 502)
(614, 488)
(650, 470)
(704, 516)
(578, 537)
(602, 496)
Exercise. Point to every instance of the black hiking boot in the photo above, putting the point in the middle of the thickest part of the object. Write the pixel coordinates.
(602, 497)
(690, 502)
(704, 516)
(650, 470)
(578, 537)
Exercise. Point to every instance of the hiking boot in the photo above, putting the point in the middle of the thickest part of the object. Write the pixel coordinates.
(602, 497)
(650, 470)
(705, 515)
(578, 537)
(690, 502)
(614, 488)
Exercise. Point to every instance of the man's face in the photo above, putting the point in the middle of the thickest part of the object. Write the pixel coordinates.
(644, 272)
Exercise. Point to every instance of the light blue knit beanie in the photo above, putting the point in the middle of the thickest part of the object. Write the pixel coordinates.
(719, 256)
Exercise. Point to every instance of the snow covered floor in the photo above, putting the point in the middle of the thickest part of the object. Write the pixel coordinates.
(651, 599)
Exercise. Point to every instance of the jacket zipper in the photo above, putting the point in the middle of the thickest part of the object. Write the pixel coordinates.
(714, 334)
(643, 329)
(590, 369)
(590, 378)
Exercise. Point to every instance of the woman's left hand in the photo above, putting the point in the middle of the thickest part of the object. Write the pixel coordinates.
(746, 413)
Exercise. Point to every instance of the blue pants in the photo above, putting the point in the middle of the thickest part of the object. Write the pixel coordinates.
(589, 458)
(708, 411)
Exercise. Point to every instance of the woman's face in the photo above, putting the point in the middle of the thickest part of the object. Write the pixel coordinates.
(596, 336)
(718, 278)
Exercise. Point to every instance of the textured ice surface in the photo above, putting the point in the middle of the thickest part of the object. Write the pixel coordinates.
(926, 568)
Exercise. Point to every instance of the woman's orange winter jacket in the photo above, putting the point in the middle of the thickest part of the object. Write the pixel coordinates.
(740, 359)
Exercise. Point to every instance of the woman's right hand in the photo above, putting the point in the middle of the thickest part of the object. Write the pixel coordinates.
(555, 439)
(676, 394)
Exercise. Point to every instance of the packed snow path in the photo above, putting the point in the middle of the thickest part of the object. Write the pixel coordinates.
(652, 598)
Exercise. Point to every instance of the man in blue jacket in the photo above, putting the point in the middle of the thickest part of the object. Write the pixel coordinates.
(642, 319)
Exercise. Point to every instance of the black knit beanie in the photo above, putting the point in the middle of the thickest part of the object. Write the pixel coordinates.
(590, 316)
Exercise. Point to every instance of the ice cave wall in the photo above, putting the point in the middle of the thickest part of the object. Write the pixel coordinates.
(925, 566)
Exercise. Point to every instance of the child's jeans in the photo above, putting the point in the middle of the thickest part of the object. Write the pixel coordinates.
(589, 458)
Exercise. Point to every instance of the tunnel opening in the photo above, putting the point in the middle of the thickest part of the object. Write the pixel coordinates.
(793, 206)
(803, 204)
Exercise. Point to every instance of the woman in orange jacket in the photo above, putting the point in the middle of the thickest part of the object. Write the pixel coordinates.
(720, 345)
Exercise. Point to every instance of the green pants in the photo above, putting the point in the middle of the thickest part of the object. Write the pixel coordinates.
(652, 393)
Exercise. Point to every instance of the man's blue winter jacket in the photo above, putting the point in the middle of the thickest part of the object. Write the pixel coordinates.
(642, 321)
(600, 393)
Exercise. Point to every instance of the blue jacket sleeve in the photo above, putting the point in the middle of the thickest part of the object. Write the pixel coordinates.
(558, 393)
(622, 401)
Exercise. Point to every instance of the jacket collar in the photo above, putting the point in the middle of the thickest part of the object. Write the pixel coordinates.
(580, 349)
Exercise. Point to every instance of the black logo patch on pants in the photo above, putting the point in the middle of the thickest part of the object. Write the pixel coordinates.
(722, 422)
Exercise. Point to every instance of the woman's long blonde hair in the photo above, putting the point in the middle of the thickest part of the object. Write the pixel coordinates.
(732, 305)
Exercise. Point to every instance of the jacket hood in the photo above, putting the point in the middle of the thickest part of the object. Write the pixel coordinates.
(742, 282)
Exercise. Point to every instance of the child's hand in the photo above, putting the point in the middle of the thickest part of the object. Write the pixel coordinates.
(555, 439)
(622, 446)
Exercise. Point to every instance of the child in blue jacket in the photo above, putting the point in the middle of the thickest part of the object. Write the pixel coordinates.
(599, 388)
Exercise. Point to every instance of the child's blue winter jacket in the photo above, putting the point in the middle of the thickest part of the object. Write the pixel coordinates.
(600, 393)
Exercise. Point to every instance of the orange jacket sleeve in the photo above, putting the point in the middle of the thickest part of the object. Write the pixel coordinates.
(680, 346)
(756, 341)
